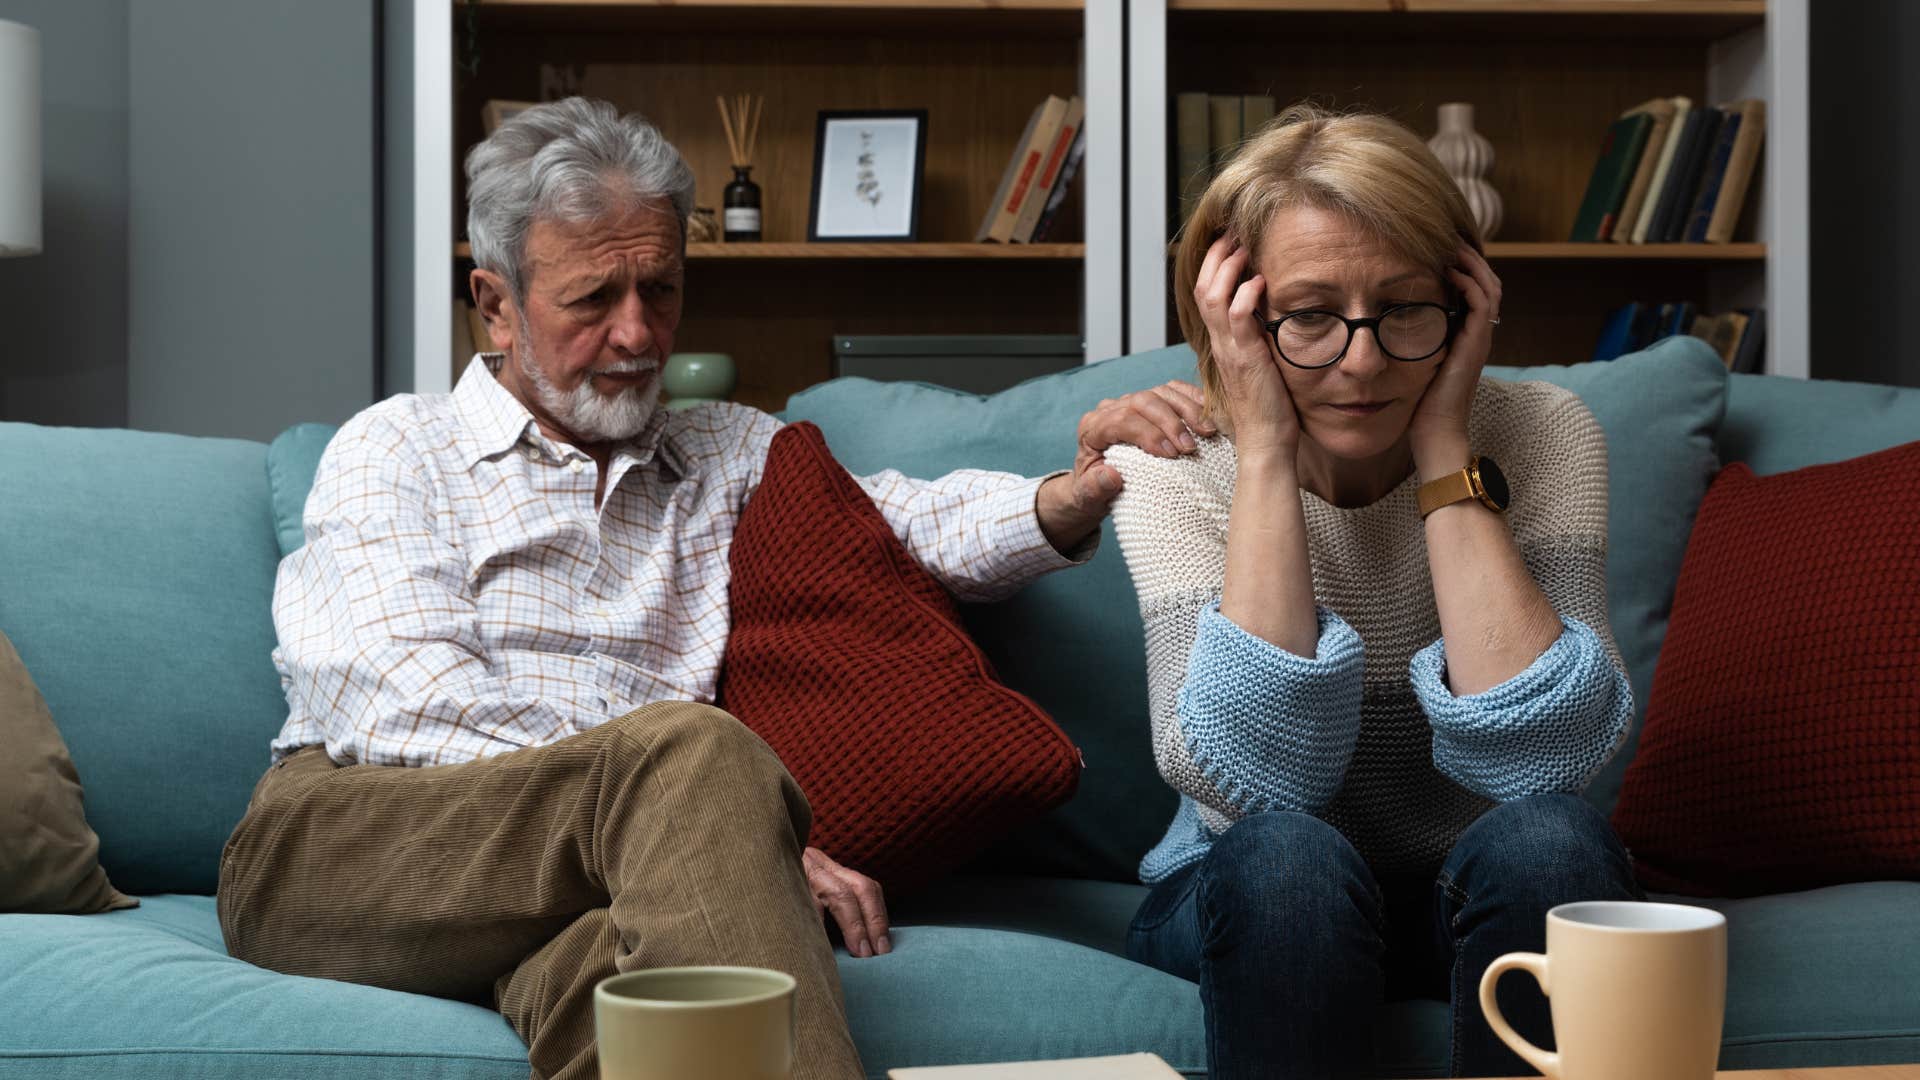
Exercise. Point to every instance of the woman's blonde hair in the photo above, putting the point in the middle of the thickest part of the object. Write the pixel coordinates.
(1363, 165)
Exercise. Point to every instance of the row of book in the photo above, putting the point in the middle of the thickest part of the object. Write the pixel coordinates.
(1738, 336)
(1672, 172)
(1035, 181)
(1207, 128)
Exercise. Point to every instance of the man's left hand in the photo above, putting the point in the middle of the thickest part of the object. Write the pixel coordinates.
(1162, 421)
(853, 899)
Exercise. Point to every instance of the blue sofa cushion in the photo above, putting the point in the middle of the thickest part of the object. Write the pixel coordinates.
(136, 580)
(292, 460)
(1776, 425)
(151, 992)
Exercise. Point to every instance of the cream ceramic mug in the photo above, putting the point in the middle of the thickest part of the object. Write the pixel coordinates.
(1637, 990)
(717, 1023)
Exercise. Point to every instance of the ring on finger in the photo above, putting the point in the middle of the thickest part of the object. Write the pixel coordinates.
(1493, 320)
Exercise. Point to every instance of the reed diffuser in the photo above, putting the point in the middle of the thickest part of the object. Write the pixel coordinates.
(740, 218)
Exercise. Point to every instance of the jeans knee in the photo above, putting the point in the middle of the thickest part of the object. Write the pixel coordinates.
(1288, 866)
(1559, 846)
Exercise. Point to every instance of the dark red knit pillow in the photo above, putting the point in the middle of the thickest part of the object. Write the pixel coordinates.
(851, 661)
(1782, 742)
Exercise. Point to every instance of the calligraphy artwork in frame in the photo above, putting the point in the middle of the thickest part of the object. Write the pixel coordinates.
(868, 171)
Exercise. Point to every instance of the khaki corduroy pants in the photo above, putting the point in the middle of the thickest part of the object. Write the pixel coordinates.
(669, 836)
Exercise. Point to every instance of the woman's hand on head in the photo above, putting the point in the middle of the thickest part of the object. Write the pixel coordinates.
(1438, 430)
(1258, 404)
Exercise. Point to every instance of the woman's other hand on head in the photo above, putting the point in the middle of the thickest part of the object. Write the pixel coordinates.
(1439, 430)
(1258, 405)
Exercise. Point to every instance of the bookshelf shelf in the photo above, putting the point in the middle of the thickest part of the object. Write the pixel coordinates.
(1629, 252)
(838, 252)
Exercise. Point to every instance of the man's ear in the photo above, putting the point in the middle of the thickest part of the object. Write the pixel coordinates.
(495, 302)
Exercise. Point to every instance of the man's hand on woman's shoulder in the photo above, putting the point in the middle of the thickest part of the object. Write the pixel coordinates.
(1161, 421)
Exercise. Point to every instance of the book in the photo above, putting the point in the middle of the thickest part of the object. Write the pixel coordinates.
(1684, 181)
(1050, 169)
(1750, 356)
(1255, 111)
(1739, 175)
(1192, 160)
(1120, 1067)
(1710, 174)
(1033, 156)
(1044, 227)
(1223, 128)
(1617, 334)
(1726, 336)
(1662, 110)
(1607, 187)
(1663, 201)
(1007, 176)
(1682, 106)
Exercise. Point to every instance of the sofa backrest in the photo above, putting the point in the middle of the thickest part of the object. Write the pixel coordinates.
(1776, 424)
(136, 576)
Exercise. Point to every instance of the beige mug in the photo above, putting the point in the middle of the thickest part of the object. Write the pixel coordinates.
(718, 1023)
(1636, 990)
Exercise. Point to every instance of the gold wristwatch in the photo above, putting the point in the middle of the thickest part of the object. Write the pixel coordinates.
(1481, 480)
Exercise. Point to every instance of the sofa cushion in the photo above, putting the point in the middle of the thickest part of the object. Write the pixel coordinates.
(1775, 424)
(292, 460)
(150, 992)
(138, 585)
(49, 857)
(849, 659)
(1783, 738)
(1074, 641)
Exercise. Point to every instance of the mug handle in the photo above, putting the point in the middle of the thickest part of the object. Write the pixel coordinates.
(1536, 965)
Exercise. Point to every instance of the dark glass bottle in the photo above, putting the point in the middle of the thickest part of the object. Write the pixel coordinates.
(741, 218)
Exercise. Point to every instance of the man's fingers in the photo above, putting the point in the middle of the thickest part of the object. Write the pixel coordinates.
(873, 909)
(1170, 426)
(845, 907)
(1188, 402)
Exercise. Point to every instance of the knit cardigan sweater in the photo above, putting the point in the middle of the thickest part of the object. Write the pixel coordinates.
(1366, 734)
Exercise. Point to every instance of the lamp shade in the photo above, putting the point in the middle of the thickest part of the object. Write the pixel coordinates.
(19, 139)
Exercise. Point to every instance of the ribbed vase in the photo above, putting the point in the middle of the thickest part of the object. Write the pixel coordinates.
(1468, 157)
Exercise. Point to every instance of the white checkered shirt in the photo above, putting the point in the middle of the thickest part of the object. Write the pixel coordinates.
(459, 595)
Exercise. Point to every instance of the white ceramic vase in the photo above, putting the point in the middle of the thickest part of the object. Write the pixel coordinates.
(1468, 156)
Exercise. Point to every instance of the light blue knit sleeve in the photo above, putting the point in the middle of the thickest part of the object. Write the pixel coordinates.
(1548, 729)
(1270, 730)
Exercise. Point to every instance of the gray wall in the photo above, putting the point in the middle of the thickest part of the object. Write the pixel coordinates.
(397, 180)
(253, 214)
(63, 338)
(1865, 168)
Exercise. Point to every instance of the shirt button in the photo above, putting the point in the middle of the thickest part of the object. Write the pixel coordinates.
(576, 465)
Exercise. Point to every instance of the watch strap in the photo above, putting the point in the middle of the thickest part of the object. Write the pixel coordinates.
(1449, 489)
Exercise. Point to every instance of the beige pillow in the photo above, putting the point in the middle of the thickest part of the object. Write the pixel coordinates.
(49, 858)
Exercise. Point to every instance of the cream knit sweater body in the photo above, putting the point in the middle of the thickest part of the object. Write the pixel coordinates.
(1366, 734)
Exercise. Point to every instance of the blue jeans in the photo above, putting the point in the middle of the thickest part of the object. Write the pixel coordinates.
(1295, 943)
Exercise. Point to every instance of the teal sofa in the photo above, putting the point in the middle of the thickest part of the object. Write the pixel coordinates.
(135, 577)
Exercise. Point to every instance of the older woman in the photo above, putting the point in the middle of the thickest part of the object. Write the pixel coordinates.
(1380, 667)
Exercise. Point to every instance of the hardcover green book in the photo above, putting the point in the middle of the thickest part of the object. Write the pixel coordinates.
(1612, 175)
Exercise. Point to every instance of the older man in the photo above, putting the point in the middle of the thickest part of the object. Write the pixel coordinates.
(501, 779)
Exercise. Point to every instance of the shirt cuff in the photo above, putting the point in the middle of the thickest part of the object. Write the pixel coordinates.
(1022, 549)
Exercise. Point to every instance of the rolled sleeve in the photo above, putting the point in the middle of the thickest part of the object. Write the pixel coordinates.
(1268, 729)
(1549, 729)
(977, 532)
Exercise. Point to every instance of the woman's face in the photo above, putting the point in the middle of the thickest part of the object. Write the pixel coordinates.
(1311, 258)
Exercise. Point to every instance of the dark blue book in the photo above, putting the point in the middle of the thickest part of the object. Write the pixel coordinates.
(1710, 179)
(1689, 187)
(1663, 208)
(1646, 323)
(1750, 355)
(1679, 320)
(1617, 335)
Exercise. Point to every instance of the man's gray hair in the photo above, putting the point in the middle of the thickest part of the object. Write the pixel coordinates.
(573, 161)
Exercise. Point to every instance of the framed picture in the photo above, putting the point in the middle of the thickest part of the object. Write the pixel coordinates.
(867, 174)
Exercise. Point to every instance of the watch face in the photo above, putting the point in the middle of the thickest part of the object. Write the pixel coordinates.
(1493, 481)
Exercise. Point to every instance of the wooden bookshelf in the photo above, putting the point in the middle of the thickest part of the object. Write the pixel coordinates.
(978, 67)
(1546, 78)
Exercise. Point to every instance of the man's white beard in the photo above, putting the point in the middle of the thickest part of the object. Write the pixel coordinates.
(590, 414)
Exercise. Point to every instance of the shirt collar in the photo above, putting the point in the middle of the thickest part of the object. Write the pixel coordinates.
(493, 421)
